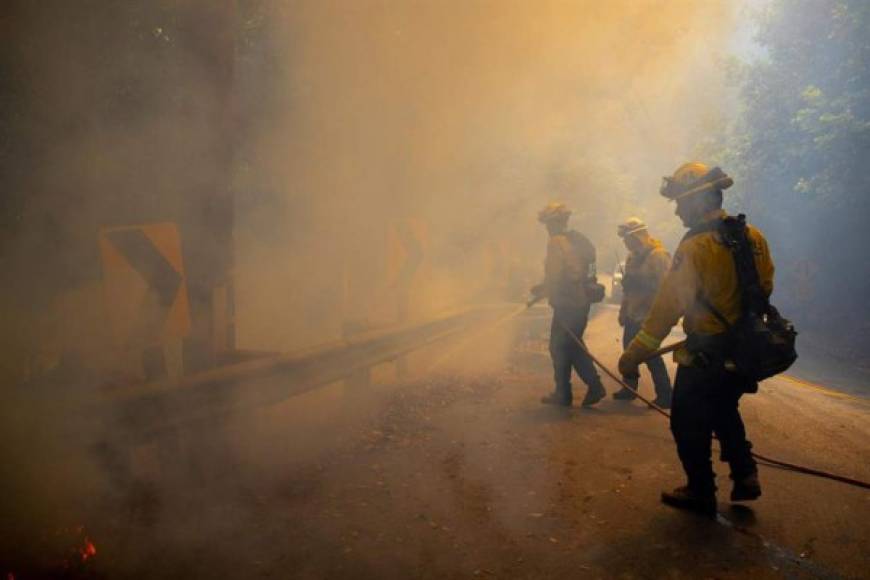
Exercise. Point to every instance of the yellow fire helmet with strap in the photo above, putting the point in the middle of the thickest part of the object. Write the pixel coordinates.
(553, 211)
(631, 226)
(694, 177)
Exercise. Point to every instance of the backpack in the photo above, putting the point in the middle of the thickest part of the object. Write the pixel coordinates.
(587, 279)
(762, 342)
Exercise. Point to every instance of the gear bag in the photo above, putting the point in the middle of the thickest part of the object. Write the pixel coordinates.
(582, 270)
(595, 291)
(761, 341)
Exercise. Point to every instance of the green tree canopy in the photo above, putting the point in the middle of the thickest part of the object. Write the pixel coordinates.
(801, 151)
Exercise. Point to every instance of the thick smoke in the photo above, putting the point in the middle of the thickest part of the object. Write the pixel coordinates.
(467, 117)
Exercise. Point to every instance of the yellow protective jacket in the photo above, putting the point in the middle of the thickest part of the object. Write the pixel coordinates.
(569, 264)
(644, 272)
(703, 266)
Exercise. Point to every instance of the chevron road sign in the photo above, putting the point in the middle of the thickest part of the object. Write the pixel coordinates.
(144, 283)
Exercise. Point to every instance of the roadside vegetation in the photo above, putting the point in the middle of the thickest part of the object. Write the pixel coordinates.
(800, 152)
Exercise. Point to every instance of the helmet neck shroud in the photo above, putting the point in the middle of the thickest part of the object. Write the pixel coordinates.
(557, 226)
(692, 209)
(638, 242)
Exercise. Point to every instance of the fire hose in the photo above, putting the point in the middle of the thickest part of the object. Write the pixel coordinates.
(762, 459)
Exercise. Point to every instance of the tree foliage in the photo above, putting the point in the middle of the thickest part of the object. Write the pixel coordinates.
(801, 151)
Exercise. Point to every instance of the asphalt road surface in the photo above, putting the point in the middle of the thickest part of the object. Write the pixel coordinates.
(463, 474)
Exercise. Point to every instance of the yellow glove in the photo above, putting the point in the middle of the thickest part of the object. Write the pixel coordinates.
(631, 359)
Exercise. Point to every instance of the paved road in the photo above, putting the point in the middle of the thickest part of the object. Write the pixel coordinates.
(460, 474)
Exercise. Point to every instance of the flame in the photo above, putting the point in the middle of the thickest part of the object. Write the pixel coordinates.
(89, 550)
(82, 549)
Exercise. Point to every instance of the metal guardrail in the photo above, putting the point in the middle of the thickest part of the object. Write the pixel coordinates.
(144, 411)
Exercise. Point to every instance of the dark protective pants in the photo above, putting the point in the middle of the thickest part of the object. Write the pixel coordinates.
(706, 402)
(566, 353)
(656, 365)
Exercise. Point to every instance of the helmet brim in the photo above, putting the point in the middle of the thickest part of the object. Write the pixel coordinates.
(629, 231)
(715, 179)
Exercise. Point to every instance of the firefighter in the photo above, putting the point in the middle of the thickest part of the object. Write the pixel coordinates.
(569, 285)
(702, 278)
(645, 268)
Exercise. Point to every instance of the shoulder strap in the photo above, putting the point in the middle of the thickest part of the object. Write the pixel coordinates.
(736, 238)
(735, 235)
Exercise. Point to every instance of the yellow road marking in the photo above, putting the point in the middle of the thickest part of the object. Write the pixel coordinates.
(824, 390)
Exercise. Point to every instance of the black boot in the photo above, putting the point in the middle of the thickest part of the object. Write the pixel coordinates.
(593, 395)
(624, 395)
(686, 498)
(557, 399)
(746, 488)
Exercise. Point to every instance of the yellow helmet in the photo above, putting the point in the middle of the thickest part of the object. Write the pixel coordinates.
(631, 226)
(694, 177)
(553, 211)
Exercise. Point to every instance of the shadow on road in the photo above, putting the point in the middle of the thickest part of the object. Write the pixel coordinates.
(679, 545)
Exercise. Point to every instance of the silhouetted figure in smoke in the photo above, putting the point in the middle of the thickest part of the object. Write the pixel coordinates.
(569, 284)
